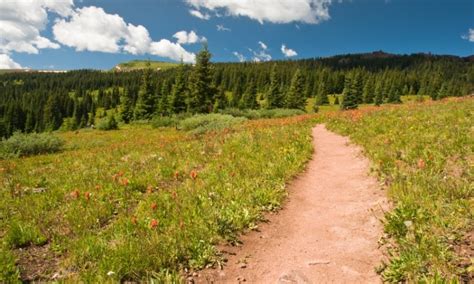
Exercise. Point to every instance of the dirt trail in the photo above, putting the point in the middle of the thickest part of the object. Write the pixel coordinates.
(328, 230)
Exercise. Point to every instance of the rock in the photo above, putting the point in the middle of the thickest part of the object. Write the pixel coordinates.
(243, 265)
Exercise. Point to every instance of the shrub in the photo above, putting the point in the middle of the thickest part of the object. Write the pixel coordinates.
(262, 113)
(30, 144)
(209, 122)
(108, 123)
(164, 121)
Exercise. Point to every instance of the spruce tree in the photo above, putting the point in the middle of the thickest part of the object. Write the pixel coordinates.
(201, 91)
(273, 94)
(220, 101)
(249, 99)
(178, 93)
(378, 98)
(145, 104)
(368, 93)
(295, 97)
(336, 99)
(126, 107)
(349, 94)
(322, 95)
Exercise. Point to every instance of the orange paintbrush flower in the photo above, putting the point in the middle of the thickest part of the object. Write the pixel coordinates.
(421, 164)
(74, 194)
(124, 181)
(193, 174)
(153, 223)
(153, 206)
(87, 195)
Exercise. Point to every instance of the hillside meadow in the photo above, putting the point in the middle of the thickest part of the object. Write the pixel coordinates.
(141, 203)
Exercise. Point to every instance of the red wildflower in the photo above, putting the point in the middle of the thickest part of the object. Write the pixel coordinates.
(149, 189)
(153, 206)
(421, 164)
(153, 223)
(193, 174)
(176, 175)
(124, 181)
(87, 195)
(97, 187)
(133, 220)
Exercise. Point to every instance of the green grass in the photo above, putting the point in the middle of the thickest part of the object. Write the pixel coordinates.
(142, 64)
(424, 154)
(141, 203)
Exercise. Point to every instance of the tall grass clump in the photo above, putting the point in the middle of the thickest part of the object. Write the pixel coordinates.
(108, 123)
(202, 123)
(262, 113)
(20, 144)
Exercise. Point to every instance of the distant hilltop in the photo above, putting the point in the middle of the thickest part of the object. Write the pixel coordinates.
(142, 64)
(31, 71)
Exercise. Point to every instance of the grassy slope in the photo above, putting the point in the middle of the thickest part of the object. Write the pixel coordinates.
(141, 64)
(126, 201)
(424, 153)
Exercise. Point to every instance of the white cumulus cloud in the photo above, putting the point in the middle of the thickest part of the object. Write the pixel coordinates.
(239, 56)
(21, 24)
(262, 45)
(198, 14)
(92, 29)
(191, 37)
(274, 11)
(288, 52)
(7, 63)
(469, 36)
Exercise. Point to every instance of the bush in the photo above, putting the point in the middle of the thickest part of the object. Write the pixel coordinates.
(30, 144)
(164, 121)
(108, 123)
(262, 113)
(209, 122)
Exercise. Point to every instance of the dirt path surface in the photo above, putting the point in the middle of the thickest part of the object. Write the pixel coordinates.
(327, 232)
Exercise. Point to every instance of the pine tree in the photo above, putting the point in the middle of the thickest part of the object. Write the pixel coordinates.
(52, 113)
(336, 99)
(378, 98)
(349, 99)
(126, 107)
(201, 93)
(368, 93)
(145, 104)
(273, 94)
(394, 95)
(295, 97)
(249, 99)
(322, 95)
(178, 93)
(220, 101)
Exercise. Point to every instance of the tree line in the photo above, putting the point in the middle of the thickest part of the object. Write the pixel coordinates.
(36, 102)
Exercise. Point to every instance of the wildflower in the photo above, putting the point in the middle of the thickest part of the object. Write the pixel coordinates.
(149, 189)
(194, 174)
(110, 273)
(124, 181)
(87, 195)
(153, 223)
(153, 206)
(176, 175)
(421, 164)
(74, 194)
(133, 220)
(97, 187)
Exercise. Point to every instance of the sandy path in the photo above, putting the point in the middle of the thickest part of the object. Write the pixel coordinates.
(327, 231)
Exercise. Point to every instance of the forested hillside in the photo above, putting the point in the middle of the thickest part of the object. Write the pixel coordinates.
(35, 102)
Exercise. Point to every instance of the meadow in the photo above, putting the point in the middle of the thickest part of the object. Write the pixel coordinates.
(423, 155)
(141, 203)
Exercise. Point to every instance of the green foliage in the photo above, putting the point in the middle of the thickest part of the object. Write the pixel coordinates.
(30, 144)
(145, 105)
(179, 91)
(209, 122)
(295, 98)
(201, 89)
(322, 95)
(144, 64)
(23, 234)
(164, 121)
(273, 95)
(9, 273)
(126, 107)
(263, 113)
(423, 152)
(108, 123)
(350, 94)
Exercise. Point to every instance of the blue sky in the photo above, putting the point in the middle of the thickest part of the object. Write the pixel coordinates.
(71, 37)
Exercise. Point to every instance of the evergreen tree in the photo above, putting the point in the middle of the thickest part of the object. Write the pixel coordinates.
(378, 98)
(145, 104)
(295, 97)
(273, 93)
(126, 107)
(201, 91)
(349, 94)
(322, 95)
(220, 101)
(336, 99)
(178, 93)
(52, 113)
(249, 99)
(368, 93)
